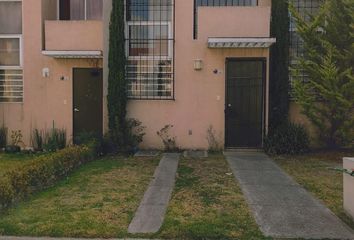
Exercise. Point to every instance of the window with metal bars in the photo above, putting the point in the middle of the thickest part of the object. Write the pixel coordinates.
(11, 75)
(150, 49)
(217, 3)
(305, 8)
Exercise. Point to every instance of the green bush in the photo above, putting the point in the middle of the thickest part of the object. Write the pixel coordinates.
(55, 140)
(288, 138)
(3, 136)
(44, 172)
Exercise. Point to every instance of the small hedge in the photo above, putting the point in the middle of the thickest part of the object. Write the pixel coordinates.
(42, 173)
(288, 138)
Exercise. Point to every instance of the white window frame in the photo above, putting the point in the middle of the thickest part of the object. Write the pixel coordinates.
(58, 12)
(14, 36)
(19, 67)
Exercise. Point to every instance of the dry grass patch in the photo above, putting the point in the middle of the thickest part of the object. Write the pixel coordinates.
(207, 203)
(312, 171)
(99, 200)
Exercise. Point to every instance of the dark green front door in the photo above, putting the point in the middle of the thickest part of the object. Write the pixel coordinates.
(88, 101)
(244, 111)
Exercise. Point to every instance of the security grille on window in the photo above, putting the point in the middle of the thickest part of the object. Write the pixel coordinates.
(149, 40)
(11, 77)
(217, 3)
(304, 7)
(80, 9)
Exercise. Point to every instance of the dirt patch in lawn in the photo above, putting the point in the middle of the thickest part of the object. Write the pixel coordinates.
(314, 173)
(98, 200)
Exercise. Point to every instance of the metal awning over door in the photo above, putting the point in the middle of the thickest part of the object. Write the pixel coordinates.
(240, 42)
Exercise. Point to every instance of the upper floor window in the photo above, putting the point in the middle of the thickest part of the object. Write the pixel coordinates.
(11, 82)
(80, 9)
(217, 3)
(305, 8)
(150, 42)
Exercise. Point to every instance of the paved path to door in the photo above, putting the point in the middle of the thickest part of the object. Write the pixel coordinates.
(151, 212)
(281, 207)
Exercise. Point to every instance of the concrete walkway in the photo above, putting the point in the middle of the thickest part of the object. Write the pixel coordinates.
(281, 207)
(151, 212)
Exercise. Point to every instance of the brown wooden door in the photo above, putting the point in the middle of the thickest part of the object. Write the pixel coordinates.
(244, 113)
(88, 101)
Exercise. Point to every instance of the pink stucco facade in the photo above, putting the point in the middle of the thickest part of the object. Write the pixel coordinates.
(199, 96)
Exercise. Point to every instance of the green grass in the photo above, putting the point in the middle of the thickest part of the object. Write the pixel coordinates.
(207, 203)
(10, 162)
(98, 200)
(312, 171)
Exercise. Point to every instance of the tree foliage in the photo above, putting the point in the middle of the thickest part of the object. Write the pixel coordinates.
(117, 85)
(279, 64)
(327, 96)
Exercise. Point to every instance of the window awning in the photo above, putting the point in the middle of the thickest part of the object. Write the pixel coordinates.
(73, 54)
(240, 42)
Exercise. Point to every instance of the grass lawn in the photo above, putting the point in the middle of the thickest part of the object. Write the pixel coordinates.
(311, 171)
(207, 203)
(9, 162)
(98, 200)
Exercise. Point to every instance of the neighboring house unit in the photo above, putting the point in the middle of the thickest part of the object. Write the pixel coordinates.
(190, 63)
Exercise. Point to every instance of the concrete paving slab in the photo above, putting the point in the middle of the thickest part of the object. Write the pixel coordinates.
(300, 222)
(254, 164)
(281, 207)
(265, 177)
(151, 212)
(281, 195)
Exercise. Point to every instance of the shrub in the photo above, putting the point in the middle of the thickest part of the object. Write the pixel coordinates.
(168, 141)
(38, 140)
(3, 136)
(16, 137)
(288, 138)
(114, 142)
(55, 140)
(42, 173)
(213, 142)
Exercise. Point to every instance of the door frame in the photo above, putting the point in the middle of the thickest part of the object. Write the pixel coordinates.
(73, 102)
(264, 97)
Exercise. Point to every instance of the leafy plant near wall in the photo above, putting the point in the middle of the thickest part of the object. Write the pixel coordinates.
(327, 97)
(168, 141)
(3, 136)
(117, 83)
(279, 64)
(55, 140)
(213, 142)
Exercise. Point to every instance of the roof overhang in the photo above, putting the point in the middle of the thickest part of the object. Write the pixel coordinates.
(240, 42)
(73, 54)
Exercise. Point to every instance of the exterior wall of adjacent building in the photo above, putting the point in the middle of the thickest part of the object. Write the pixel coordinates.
(199, 95)
(47, 101)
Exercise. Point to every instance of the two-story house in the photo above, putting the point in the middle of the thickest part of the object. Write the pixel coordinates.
(190, 63)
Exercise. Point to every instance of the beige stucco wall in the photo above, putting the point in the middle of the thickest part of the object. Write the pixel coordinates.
(73, 35)
(348, 187)
(45, 99)
(200, 95)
